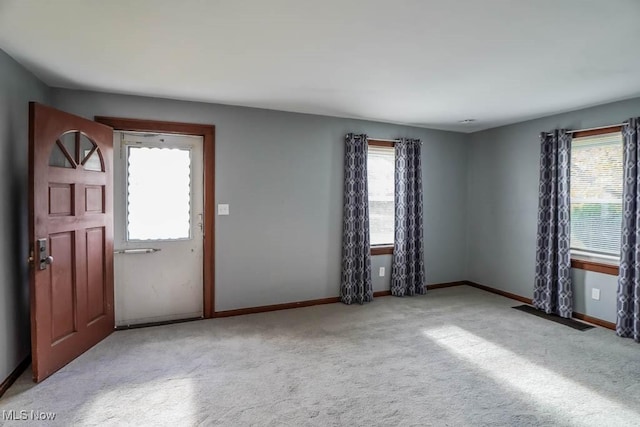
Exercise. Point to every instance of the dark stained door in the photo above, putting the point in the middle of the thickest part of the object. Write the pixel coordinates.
(71, 235)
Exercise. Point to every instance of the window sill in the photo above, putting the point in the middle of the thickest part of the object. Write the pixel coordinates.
(595, 257)
(607, 267)
(382, 250)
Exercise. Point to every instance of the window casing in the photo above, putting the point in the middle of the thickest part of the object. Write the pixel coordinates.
(596, 195)
(381, 178)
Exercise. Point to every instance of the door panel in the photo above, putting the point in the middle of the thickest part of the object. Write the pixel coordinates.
(63, 285)
(71, 222)
(61, 199)
(166, 284)
(94, 199)
(96, 290)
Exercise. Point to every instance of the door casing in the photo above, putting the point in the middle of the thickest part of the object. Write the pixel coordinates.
(207, 132)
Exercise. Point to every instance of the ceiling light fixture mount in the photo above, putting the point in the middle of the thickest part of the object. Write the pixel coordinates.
(467, 121)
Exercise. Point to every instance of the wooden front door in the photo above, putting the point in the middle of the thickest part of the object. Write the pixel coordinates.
(71, 236)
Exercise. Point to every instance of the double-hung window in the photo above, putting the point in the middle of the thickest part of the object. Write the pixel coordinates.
(596, 195)
(381, 178)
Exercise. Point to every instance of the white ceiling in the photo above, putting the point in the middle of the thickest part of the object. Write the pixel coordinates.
(429, 63)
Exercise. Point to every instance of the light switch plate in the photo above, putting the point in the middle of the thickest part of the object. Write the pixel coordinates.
(595, 294)
(381, 271)
(223, 209)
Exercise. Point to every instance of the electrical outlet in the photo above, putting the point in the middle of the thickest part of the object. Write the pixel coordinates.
(381, 271)
(595, 294)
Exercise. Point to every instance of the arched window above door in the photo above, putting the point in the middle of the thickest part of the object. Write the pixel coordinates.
(75, 150)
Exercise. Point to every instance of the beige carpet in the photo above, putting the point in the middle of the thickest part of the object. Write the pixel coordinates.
(455, 357)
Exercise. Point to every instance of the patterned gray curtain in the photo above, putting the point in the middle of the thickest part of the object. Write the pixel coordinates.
(356, 283)
(553, 292)
(407, 273)
(628, 321)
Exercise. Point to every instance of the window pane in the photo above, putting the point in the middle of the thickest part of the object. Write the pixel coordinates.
(92, 162)
(159, 193)
(69, 142)
(58, 158)
(380, 171)
(596, 193)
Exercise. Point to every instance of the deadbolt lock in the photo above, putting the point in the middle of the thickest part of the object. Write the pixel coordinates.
(44, 258)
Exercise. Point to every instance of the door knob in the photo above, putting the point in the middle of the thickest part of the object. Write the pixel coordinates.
(48, 260)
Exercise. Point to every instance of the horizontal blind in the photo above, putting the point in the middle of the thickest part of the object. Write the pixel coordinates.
(596, 193)
(380, 176)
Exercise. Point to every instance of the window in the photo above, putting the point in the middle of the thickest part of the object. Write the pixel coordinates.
(380, 176)
(159, 193)
(596, 194)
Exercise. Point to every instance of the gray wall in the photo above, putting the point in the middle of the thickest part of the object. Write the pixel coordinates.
(17, 88)
(503, 202)
(281, 173)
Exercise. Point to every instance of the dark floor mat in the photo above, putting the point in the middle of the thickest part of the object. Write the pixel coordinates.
(567, 322)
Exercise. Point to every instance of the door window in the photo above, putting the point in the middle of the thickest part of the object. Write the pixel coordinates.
(74, 149)
(158, 193)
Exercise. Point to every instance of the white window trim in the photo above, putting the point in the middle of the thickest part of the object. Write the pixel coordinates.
(585, 254)
(386, 151)
(126, 145)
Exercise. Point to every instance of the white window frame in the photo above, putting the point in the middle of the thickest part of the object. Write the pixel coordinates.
(126, 145)
(586, 255)
(387, 248)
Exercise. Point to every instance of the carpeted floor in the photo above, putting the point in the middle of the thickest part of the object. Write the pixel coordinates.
(455, 357)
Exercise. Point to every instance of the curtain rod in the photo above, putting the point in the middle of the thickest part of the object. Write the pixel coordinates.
(597, 128)
(385, 140)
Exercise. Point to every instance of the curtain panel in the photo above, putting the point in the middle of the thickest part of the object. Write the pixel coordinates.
(408, 272)
(628, 304)
(356, 285)
(553, 291)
